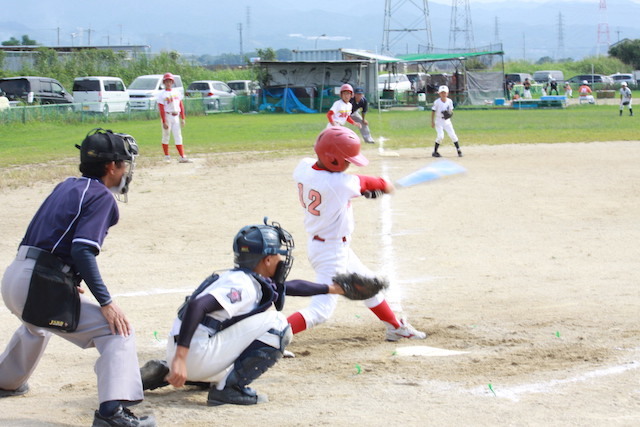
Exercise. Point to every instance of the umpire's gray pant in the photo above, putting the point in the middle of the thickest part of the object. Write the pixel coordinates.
(117, 367)
(364, 130)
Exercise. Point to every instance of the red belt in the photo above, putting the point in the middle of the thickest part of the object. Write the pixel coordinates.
(320, 239)
(173, 114)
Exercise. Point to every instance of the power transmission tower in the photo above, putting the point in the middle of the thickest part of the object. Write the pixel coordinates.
(461, 25)
(496, 31)
(560, 37)
(395, 29)
(603, 28)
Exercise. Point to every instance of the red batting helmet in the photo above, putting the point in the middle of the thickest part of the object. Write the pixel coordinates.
(168, 76)
(346, 87)
(338, 145)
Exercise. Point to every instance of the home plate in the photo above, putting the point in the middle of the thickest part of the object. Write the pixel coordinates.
(425, 351)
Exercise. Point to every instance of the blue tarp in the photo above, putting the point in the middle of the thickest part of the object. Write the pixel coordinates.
(288, 101)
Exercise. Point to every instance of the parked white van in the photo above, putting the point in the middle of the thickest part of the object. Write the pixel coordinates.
(143, 90)
(101, 94)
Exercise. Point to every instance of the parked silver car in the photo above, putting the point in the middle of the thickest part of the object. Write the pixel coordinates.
(216, 95)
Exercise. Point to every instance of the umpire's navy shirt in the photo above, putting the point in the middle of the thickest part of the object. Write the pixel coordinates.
(364, 104)
(79, 210)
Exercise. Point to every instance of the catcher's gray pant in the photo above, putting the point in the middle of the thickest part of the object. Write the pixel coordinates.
(211, 358)
(328, 258)
(364, 130)
(117, 367)
(444, 125)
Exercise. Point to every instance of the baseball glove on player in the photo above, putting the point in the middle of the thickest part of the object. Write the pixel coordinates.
(359, 287)
(446, 114)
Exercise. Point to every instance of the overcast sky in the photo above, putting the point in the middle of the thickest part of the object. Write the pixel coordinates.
(527, 28)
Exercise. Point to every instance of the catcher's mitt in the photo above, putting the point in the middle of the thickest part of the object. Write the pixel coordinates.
(359, 287)
(446, 114)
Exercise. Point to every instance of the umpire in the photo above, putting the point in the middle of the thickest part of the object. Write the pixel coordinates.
(359, 108)
(59, 251)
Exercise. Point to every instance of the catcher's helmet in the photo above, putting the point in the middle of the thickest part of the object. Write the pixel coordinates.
(346, 87)
(102, 145)
(168, 76)
(338, 145)
(584, 82)
(254, 242)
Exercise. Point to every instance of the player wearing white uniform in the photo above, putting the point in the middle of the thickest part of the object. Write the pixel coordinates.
(325, 193)
(625, 98)
(441, 113)
(340, 111)
(172, 116)
(225, 336)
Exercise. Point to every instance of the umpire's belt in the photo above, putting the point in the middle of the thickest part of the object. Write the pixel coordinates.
(42, 256)
(320, 239)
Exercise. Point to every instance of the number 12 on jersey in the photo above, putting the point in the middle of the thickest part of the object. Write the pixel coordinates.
(314, 198)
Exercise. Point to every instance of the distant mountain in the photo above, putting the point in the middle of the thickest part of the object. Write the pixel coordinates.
(529, 30)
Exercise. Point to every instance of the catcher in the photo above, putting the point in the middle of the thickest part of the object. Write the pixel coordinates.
(441, 114)
(225, 336)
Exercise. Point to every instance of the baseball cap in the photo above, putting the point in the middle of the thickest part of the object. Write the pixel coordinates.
(359, 90)
(168, 76)
(443, 88)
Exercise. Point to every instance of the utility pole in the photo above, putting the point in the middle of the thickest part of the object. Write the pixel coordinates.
(240, 34)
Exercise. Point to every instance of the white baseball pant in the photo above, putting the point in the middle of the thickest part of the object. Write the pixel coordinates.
(174, 128)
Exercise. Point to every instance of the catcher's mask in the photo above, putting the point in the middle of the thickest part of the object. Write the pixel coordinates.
(337, 146)
(102, 146)
(254, 242)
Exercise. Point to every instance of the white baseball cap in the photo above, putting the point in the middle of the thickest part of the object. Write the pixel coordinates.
(584, 82)
(443, 88)
(623, 84)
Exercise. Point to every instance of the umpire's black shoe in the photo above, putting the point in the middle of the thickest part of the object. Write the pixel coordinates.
(123, 417)
(234, 395)
(23, 389)
(153, 374)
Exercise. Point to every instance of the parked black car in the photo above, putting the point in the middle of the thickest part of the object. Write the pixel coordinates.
(42, 90)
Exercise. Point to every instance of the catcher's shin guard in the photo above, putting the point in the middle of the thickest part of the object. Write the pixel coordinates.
(257, 359)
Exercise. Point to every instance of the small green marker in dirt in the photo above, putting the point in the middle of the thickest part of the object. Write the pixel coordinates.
(155, 335)
(491, 388)
(558, 334)
(358, 369)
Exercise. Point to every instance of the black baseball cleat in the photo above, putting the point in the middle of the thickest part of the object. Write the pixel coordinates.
(234, 395)
(123, 417)
(435, 154)
(369, 141)
(23, 389)
(459, 153)
(153, 374)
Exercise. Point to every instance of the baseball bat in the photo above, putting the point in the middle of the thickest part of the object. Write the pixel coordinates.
(430, 172)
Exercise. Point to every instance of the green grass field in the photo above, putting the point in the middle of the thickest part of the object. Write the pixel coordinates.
(33, 143)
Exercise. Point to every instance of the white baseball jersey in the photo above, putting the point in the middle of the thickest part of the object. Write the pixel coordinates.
(326, 199)
(439, 107)
(341, 111)
(625, 94)
(170, 99)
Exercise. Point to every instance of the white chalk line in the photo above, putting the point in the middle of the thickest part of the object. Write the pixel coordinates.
(514, 393)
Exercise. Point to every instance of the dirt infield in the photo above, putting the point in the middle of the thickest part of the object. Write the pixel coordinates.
(529, 265)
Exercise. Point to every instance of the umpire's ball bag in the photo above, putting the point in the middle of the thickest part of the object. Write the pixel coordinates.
(53, 300)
